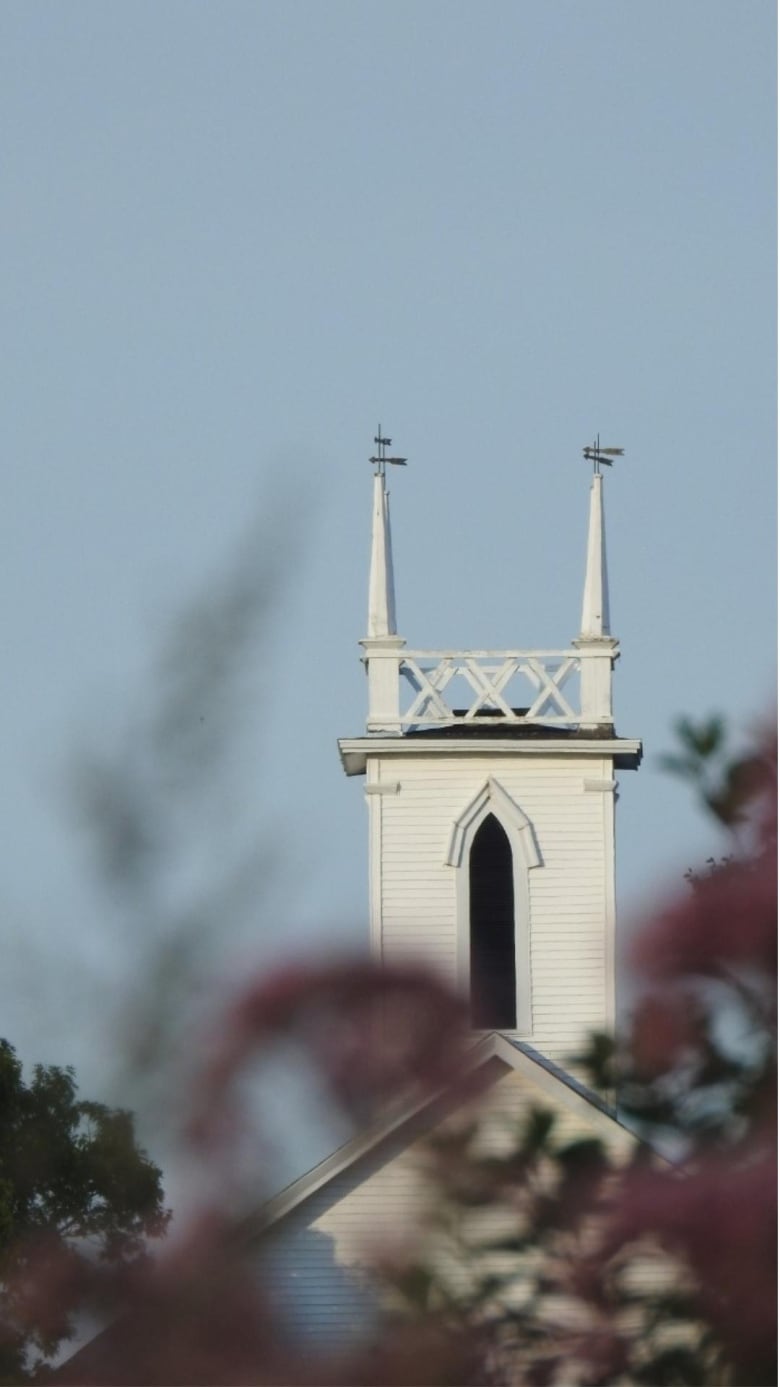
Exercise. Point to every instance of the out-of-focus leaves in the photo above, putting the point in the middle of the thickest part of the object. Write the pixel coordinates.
(687, 766)
(598, 1060)
(536, 1266)
(704, 738)
(537, 1130)
(582, 1157)
(672, 1367)
(643, 1271)
(415, 1284)
(725, 781)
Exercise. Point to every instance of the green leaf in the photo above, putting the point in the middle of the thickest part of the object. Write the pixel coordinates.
(537, 1129)
(686, 766)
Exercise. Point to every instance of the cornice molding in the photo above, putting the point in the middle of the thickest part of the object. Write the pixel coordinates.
(624, 752)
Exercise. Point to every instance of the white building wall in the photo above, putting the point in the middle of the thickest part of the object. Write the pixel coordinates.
(414, 893)
(320, 1256)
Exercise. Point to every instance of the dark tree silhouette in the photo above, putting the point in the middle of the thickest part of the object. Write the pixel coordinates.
(76, 1192)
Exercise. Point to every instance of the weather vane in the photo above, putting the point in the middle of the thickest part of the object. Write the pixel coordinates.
(381, 456)
(596, 454)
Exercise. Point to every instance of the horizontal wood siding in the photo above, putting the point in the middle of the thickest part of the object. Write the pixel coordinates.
(319, 1258)
(570, 893)
(318, 1262)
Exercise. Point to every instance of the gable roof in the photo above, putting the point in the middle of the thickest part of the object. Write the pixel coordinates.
(490, 1059)
(496, 1056)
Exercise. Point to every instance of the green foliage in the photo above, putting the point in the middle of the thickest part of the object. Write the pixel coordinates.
(723, 781)
(538, 1129)
(596, 1271)
(72, 1179)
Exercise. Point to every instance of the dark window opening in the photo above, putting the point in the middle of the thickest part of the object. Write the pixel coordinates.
(492, 925)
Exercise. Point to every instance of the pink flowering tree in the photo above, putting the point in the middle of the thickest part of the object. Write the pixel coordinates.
(695, 1074)
(662, 1271)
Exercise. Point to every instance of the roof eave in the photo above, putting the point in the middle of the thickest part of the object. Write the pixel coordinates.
(625, 752)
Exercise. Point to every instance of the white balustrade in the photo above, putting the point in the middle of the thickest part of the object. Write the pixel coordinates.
(494, 682)
(489, 686)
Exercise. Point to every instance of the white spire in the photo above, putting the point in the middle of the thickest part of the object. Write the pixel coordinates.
(595, 601)
(382, 645)
(381, 592)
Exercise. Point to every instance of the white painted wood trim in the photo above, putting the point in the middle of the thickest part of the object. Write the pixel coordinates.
(560, 1087)
(610, 922)
(492, 798)
(392, 787)
(625, 753)
(373, 789)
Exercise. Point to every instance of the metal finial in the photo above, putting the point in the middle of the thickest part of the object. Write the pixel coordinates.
(381, 457)
(596, 454)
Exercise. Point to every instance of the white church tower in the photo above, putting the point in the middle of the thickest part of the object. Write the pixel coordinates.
(490, 780)
(490, 785)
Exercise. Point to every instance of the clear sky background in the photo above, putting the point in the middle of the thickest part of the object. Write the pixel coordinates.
(235, 236)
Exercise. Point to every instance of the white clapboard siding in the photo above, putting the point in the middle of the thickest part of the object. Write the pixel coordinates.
(414, 893)
(319, 1256)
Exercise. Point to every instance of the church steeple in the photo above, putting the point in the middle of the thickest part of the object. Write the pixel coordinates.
(490, 780)
(382, 644)
(381, 587)
(595, 600)
(598, 648)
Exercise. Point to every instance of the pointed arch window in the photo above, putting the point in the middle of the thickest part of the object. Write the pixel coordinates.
(493, 848)
(493, 971)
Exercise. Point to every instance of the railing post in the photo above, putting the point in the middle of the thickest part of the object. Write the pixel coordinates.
(383, 663)
(597, 658)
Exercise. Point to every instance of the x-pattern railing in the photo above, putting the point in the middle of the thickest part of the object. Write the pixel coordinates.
(487, 673)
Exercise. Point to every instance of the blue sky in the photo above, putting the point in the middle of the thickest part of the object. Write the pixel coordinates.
(235, 237)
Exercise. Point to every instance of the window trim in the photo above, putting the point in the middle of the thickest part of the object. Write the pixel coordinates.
(493, 799)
